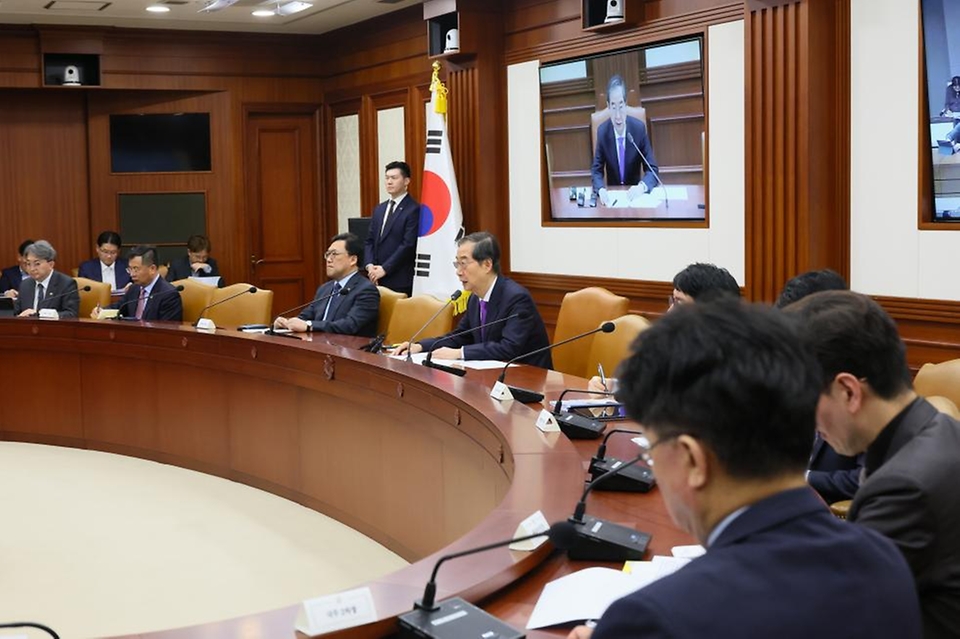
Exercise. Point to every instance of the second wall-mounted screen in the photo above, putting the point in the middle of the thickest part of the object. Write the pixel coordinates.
(160, 142)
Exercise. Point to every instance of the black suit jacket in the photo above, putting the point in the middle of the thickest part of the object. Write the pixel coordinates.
(64, 286)
(356, 312)
(912, 498)
(396, 248)
(10, 279)
(785, 568)
(834, 476)
(91, 270)
(606, 159)
(180, 269)
(502, 341)
(164, 304)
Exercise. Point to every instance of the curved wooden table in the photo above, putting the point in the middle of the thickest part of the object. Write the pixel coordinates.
(423, 462)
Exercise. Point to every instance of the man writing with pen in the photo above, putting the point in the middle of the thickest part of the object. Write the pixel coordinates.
(151, 297)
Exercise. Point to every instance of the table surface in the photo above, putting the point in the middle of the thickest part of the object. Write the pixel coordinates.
(566, 209)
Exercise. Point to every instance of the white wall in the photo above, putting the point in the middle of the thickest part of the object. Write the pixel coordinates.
(634, 253)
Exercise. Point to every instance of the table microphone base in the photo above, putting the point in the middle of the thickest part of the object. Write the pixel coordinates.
(599, 540)
(454, 619)
(635, 479)
(459, 372)
(525, 396)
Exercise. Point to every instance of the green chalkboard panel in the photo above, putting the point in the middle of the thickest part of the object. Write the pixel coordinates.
(162, 218)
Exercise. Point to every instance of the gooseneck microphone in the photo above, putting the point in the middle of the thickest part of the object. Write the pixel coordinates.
(453, 298)
(635, 479)
(40, 305)
(270, 331)
(525, 396)
(175, 289)
(656, 174)
(252, 289)
(428, 361)
(577, 426)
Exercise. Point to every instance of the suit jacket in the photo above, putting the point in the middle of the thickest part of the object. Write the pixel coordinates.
(502, 341)
(91, 270)
(10, 279)
(395, 248)
(834, 476)
(67, 304)
(180, 269)
(355, 313)
(912, 499)
(785, 568)
(165, 303)
(606, 158)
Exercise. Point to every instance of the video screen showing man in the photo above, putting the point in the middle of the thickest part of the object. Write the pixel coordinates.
(46, 288)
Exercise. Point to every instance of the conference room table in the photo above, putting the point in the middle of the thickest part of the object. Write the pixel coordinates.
(422, 461)
(690, 207)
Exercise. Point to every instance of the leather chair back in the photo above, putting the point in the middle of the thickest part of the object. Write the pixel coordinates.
(412, 313)
(581, 311)
(599, 117)
(939, 379)
(195, 296)
(99, 293)
(609, 349)
(388, 300)
(249, 308)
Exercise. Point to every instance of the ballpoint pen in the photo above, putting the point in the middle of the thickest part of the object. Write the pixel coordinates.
(603, 378)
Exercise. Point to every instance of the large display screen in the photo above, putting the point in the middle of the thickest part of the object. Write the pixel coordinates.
(941, 40)
(159, 142)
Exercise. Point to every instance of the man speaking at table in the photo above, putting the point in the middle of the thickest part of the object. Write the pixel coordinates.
(151, 297)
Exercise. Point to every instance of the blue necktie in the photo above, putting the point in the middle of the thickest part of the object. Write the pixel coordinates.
(332, 303)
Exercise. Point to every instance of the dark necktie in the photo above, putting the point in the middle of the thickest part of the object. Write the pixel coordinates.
(621, 152)
(387, 216)
(39, 296)
(332, 303)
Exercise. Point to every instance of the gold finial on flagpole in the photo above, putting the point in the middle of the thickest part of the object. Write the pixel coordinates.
(438, 90)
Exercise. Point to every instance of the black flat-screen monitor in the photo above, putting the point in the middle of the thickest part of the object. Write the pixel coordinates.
(160, 142)
(623, 134)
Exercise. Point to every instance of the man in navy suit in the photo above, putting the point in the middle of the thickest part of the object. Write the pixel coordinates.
(494, 297)
(726, 393)
(618, 142)
(12, 276)
(45, 288)
(108, 267)
(151, 297)
(348, 304)
(197, 262)
(391, 244)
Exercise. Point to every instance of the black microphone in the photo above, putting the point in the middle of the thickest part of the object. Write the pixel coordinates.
(577, 426)
(458, 613)
(375, 345)
(31, 624)
(59, 295)
(252, 289)
(656, 174)
(635, 479)
(601, 540)
(453, 298)
(177, 289)
(342, 291)
(428, 361)
(525, 396)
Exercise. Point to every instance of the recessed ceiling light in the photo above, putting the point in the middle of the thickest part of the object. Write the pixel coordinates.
(158, 8)
(293, 7)
(264, 13)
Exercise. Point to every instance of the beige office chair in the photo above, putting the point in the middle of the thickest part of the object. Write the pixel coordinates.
(412, 313)
(939, 379)
(388, 300)
(195, 296)
(944, 405)
(581, 311)
(249, 308)
(609, 349)
(99, 293)
(164, 269)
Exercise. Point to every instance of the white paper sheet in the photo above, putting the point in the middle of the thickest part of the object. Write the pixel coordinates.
(586, 593)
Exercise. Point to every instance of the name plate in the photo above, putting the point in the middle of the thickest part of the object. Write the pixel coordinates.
(535, 523)
(547, 422)
(337, 611)
(501, 391)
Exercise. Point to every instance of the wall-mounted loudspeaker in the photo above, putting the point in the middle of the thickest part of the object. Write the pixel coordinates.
(614, 11)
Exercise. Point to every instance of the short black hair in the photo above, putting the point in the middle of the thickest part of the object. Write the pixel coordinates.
(732, 374)
(109, 237)
(808, 283)
(699, 279)
(850, 333)
(399, 164)
(197, 243)
(147, 253)
(485, 247)
(955, 79)
(352, 241)
(22, 249)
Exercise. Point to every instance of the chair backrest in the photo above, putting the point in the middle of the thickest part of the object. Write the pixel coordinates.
(163, 269)
(250, 308)
(75, 271)
(939, 379)
(944, 405)
(413, 312)
(599, 117)
(195, 296)
(99, 293)
(388, 300)
(609, 349)
(581, 311)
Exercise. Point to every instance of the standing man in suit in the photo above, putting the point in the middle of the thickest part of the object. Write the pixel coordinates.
(151, 297)
(391, 244)
(12, 276)
(109, 266)
(348, 304)
(45, 288)
(912, 461)
(196, 263)
(494, 297)
(726, 394)
(618, 141)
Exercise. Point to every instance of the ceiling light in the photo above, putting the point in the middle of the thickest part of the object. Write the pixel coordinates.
(158, 8)
(290, 8)
(216, 5)
(264, 13)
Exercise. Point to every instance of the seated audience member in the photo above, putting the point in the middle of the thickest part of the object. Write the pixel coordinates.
(12, 276)
(912, 462)
(46, 287)
(349, 303)
(726, 394)
(151, 297)
(494, 297)
(196, 263)
(109, 266)
(834, 476)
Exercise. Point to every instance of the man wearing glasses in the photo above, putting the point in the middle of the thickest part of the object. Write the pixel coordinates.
(109, 266)
(46, 288)
(150, 297)
(727, 396)
(196, 263)
(348, 304)
(494, 297)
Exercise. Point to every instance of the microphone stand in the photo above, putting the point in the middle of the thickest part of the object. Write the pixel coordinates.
(453, 297)
(656, 174)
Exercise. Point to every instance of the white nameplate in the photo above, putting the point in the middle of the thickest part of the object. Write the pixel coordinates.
(501, 391)
(535, 523)
(108, 313)
(48, 313)
(547, 423)
(206, 324)
(337, 611)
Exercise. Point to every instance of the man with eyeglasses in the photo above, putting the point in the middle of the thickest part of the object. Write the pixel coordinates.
(348, 303)
(150, 297)
(726, 394)
(196, 263)
(109, 266)
(494, 297)
(867, 403)
(46, 288)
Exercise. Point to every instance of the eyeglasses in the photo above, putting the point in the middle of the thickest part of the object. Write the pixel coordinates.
(330, 254)
(35, 263)
(107, 253)
(646, 446)
(462, 264)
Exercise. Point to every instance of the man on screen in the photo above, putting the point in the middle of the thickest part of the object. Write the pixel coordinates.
(620, 142)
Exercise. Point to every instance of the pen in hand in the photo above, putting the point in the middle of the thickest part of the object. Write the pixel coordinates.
(603, 378)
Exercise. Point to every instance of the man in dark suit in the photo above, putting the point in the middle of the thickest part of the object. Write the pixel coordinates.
(45, 288)
(109, 266)
(196, 263)
(391, 244)
(12, 276)
(912, 451)
(493, 297)
(151, 297)
(618, 141)
(727, 395)
(348, 304)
